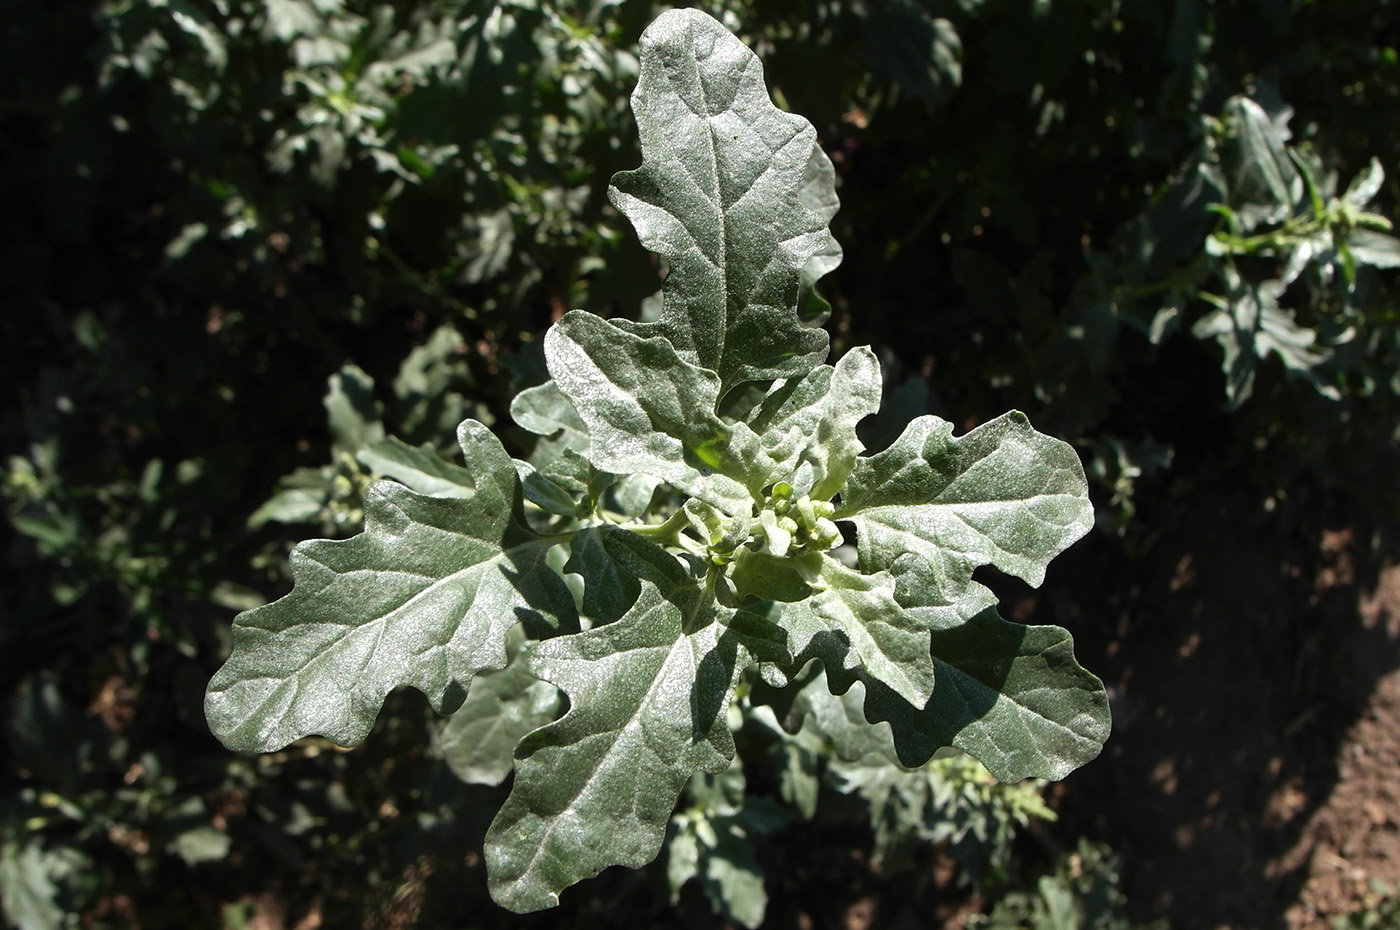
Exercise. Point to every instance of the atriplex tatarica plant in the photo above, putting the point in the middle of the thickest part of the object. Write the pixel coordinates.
(680, 540)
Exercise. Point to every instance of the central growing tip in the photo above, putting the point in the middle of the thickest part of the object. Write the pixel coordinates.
(786, 526)
(791, 526)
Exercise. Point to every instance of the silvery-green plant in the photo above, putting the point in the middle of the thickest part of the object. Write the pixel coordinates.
(673, 547)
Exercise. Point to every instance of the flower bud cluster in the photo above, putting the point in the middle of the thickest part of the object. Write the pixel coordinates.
(789, 526)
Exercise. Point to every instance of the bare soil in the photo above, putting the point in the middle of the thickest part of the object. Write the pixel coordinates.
(1253, 776)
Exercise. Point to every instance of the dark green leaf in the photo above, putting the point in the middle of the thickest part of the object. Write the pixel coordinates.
(610, 586)
(1252, 326)
(910, 46)
(712, 841)
(1263, 184)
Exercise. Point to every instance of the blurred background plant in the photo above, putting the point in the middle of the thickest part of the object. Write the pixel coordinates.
(248, 239)
(1379, 910)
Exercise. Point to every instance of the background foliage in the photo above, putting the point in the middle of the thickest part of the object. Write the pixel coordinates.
(246, 238)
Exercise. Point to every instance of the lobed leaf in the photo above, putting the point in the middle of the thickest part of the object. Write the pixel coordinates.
(28, 893)
(711, 841)
(649, 697)
(1366, 185)
(1001, 495)
(808, 425)
(1263, 183)
(853, 623)
(838, 719)
(726, 193)
(1252, 325)
(545, 411)
(1011, 696)
(609, 588)
(768, 577)
(423, 597)
(736, 196)
(1376, 249)
(478, 742)
(818, 194)
(549, 490)
(420, 470)
(647, 410)
(352, 412)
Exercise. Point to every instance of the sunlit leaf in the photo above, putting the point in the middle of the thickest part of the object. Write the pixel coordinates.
(1001, 495)
(423, 598)
(725, 193)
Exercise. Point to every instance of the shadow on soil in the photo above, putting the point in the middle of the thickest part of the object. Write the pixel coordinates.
(1238, 654)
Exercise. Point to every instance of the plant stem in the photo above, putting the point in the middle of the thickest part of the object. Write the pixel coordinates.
(668, 532)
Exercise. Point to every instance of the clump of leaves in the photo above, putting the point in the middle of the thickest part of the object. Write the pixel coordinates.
(1380, 910)
(1081, 891)
(1279, 204)
(677, 536)
(1256, 236)
(951, 800)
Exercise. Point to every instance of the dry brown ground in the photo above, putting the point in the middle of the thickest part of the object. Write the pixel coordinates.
(1354, 837)
(1253, 776)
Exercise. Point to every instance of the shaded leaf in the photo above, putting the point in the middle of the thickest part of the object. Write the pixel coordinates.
(816, 710)
(1011, 696)
(853, 622)
(418, 469)
(649, 696)
(204, 843)
(725, 866)
(544, 410)
(353, 410)
(773, 578)
(300, 502)
(610, 586)
(545, 493)
(478, 741)
(1251, 326)
(798, 781)
(712, 842)
(908, 45)
(1262, 182)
